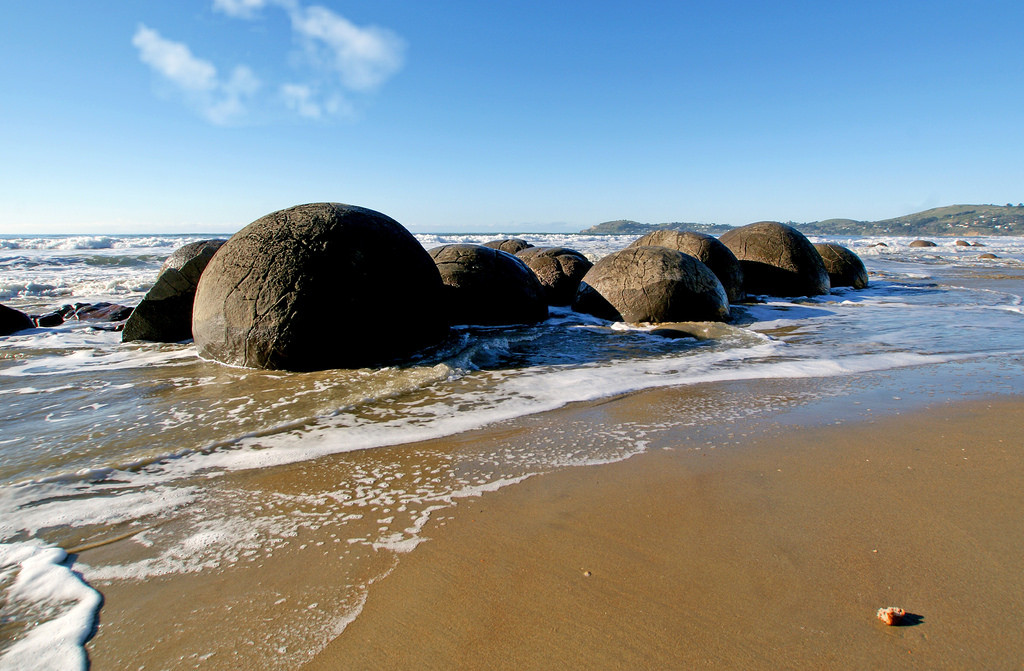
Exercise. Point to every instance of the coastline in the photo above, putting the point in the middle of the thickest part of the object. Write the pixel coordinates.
(701, 550)
(775, 554)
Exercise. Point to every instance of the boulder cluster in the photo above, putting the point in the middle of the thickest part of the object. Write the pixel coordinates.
(327, 285)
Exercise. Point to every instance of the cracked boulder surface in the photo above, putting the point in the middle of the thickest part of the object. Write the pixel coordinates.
(165, 313)
(777, 260)
(510, 245)
(487, 286)
(844, 267)
(559, 269)
(708, 250)
(652, 284)
(318, 286)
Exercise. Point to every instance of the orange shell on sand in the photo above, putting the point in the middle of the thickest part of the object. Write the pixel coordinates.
(891, 615)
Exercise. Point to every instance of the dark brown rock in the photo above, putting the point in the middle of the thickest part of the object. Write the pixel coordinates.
(923, 243)
(708, 250)
(510, 245)
(165, 314)
(102, 312)
(12, 321)
(962, 243)
(987, 256)
(487, 286)
(318, 286)
(652, 284)
(777, 260)
(845, 268)
(560, 271)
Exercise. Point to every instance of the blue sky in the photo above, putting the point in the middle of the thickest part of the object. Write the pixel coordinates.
(203, 115)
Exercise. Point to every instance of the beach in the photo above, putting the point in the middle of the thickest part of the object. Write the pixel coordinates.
(763, 544)
(573, 494)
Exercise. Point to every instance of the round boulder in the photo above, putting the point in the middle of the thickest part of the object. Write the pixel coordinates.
(12, 321)
(487, 286)
(559, 270)
(777, 260)
(923, 243)
(652, 284)
(165, 314)
(510, 245)
(987, 255)
(708, 250)
(318, 286)
(962, 243)
(845, 268)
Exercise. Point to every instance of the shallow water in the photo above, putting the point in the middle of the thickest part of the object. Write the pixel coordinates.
(102, 439)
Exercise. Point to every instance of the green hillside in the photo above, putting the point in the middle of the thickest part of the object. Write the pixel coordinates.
(954, 220)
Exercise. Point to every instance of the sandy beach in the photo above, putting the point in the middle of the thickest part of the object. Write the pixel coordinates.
(760, 543)
(776, 554)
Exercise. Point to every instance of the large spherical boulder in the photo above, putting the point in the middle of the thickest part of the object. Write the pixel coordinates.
(12, 321)
(318, 286)
(844, 267)
(165, 313)
(708, 250)
(487, 286)
(923, 243)
(560, 271)
(652, 284)
(510, 245)
(777, 260)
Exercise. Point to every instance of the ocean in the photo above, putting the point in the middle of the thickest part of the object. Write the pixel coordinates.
(159, 458)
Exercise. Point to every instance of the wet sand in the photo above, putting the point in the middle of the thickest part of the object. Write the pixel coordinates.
(774, 553)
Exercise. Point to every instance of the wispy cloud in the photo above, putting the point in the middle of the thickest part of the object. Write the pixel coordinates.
(221, 101)
(363, 58)
(338, 61)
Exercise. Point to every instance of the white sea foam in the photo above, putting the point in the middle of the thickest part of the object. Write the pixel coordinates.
(50, 597)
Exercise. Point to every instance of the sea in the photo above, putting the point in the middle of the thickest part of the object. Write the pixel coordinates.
(161, 458)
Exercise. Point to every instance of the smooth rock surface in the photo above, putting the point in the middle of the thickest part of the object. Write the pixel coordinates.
(777, 260)
(845, 268)
(559, 269)
(486, 286)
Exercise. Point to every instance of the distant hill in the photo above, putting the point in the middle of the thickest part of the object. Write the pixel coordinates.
(954, 220)
(627, 227)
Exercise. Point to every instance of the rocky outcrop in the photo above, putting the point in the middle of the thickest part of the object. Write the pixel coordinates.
(559, 269)
(510, 245)
(777, 260)
(708, 250)
(487, 286)
(844, 267)
(652, 284)
(165, 313)
(318, 286)
(12, 321)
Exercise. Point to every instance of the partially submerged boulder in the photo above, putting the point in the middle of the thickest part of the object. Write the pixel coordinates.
(923, 243)
(559, 269)
(708, 250)
(652, 284)
(510, 245)
(318, 286)
(486, 286)
(845, 268)
(12, 321)
(777, 260)
(165, 313)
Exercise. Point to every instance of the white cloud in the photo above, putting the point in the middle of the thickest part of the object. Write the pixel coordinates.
(338, 59)
(299, 97)
(363, 57)
(219, 101)
(174, 61)
(243, 9)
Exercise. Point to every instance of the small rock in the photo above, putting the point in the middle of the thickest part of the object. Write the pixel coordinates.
(891, 615)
